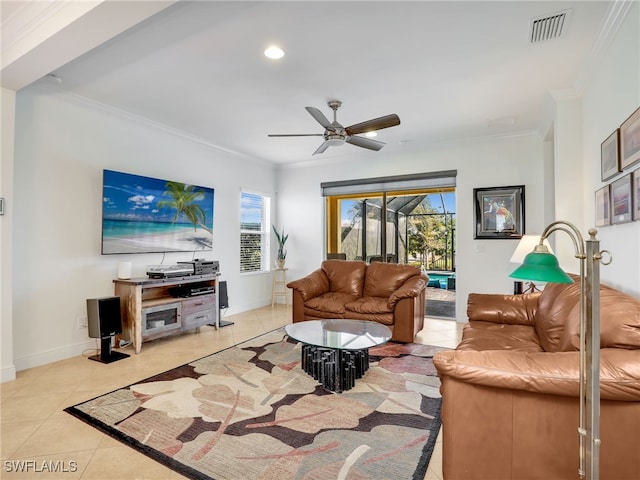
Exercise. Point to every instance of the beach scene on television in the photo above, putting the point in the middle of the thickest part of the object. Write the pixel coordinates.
(149, 215)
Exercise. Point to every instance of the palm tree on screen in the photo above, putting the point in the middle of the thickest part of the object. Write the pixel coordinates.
(183, 200)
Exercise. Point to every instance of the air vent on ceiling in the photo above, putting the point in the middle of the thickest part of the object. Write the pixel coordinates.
(548, 27)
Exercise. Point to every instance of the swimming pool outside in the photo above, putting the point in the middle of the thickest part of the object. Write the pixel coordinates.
(441, 280)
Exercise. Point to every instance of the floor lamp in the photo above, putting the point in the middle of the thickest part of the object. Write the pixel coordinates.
(526, 244)
(542, 266)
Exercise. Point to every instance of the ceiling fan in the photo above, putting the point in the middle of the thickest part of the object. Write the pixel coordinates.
(335, 134)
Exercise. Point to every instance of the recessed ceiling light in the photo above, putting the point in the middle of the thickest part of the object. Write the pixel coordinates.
(274, 52)
(371, 134)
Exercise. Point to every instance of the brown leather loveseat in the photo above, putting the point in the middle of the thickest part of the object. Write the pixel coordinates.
(511, 388)
(391, 294)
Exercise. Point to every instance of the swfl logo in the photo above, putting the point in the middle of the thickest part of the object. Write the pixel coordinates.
(48, 466)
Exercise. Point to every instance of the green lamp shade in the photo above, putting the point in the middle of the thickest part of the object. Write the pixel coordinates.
(541, 267)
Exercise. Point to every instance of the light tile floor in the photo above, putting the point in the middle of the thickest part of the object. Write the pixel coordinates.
(35, 428)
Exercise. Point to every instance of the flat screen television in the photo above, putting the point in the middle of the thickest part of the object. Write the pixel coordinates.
(150, 215)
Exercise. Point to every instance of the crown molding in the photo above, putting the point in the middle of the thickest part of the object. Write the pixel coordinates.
(616, 15)
(49, 88)
(32, 23)
(42, 36)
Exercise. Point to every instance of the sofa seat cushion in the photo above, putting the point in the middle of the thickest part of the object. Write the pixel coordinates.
(369, 305)
(481, 336)
(383, 318)
(330, 303)
(311, 314)
(374, 309)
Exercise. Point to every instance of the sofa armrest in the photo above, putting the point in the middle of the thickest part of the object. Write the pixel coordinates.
(311, 286)
(496, 308)
(548, 373)
(409, 289)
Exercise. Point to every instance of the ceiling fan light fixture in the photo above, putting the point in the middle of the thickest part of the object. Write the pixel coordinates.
(274, 52)
(334, 140)
(371, 134)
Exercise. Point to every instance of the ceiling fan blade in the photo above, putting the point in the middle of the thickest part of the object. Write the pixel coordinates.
(365, 143)
(320, 118)
(375, 124)
(322, 147)
(295, 135)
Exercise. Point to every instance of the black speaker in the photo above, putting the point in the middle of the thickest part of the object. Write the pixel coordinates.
(104, 319)
(223, 297)
(223, 302)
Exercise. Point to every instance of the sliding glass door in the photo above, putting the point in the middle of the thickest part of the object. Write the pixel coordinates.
(402, 219)
(394, 227)
(353, 227)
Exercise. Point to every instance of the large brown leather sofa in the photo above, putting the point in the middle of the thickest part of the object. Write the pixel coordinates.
(511, 390)
(391, 294)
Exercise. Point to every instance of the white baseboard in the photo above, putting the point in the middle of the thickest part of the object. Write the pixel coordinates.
(246, 308)
(57, 354)
(7, 373)
(54, 355)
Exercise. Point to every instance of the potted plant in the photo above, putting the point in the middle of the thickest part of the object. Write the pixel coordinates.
(282, 253)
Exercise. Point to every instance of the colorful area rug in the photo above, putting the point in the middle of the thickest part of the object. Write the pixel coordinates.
(250, 412)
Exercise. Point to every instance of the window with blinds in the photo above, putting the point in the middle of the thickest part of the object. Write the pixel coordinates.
(255, 232)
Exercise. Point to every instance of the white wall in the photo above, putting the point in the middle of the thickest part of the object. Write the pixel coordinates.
(613, 95)
(62, 145)
(565, 189)
(7, 367)
(482, 265)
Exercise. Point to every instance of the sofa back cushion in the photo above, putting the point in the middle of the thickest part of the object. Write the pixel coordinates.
(619, 322)
(345, 276)
(558, 303)
(382, 279)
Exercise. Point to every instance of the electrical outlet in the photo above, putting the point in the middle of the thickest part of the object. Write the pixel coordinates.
(81, 320)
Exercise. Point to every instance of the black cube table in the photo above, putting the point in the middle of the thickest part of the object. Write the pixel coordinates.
(336, 352)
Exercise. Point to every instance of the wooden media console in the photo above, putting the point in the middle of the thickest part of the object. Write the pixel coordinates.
(157, 307)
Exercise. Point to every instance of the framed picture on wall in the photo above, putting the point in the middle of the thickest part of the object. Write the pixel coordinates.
(603, 210)
(499, 212)
(621, 200)
(610, 156)
(630, 140)
(636, 195)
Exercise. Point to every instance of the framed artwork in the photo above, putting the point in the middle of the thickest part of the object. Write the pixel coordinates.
(603, 210)
(610, 156)
(499, 212)
(630, 140)
(151, 215)
(621, 200)
(636, 195)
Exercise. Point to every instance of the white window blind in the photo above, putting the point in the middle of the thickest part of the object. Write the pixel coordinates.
(255, 224)
(414, 181)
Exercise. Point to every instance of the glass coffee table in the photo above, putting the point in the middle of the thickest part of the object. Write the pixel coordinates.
(336, 352)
